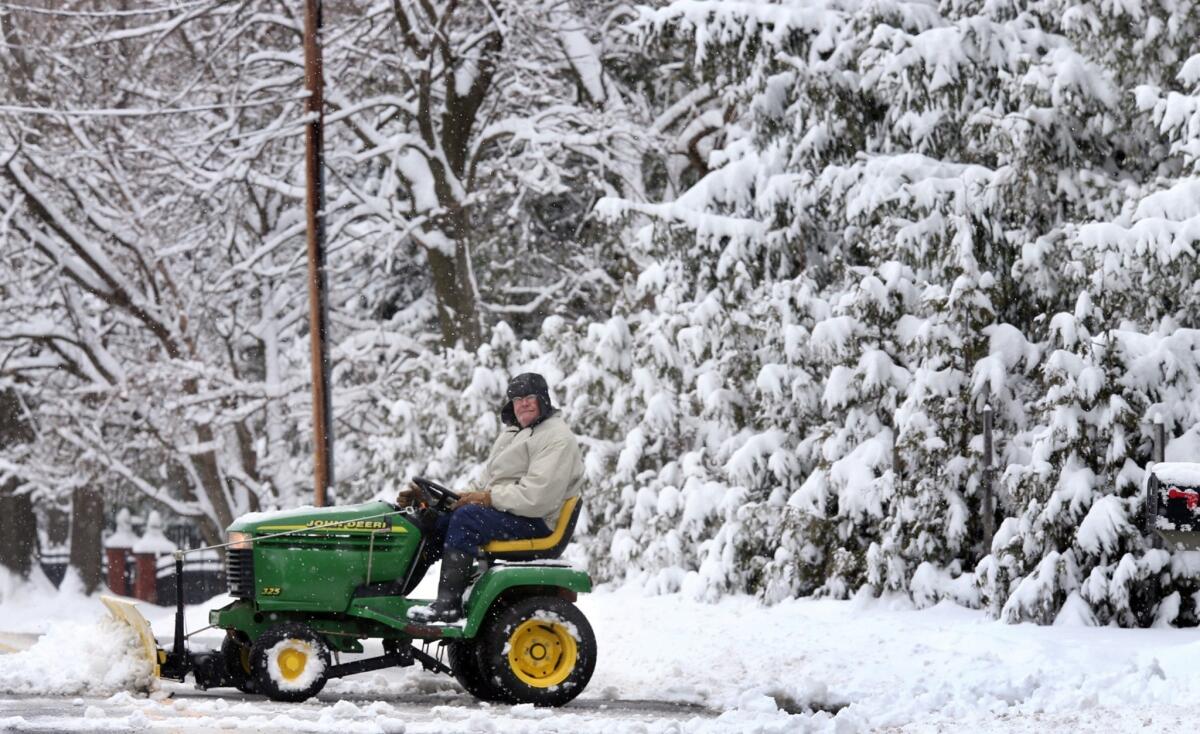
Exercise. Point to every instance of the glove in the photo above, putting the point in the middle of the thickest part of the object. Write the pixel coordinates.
(410, 496)
(474, 498)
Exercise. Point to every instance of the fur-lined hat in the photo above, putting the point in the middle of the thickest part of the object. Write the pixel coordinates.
(527, 383)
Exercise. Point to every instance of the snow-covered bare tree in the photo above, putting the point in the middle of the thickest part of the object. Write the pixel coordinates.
(148, 297)
(475, 136)
(153, 224)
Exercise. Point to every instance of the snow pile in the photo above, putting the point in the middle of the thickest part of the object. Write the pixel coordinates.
(74, 658)
(33, 605)
(869, 664)
(13, 587)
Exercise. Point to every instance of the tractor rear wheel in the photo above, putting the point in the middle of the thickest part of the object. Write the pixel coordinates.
(539, 650)
(463, 656)
(236, 654)
(289, 662)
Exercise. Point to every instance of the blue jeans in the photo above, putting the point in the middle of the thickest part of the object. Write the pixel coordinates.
(471, 527)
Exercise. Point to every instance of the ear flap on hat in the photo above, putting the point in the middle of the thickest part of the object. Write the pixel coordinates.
(508, 416)
(544, 406)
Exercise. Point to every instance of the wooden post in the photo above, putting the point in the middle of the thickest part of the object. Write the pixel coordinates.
(317, 282)
(986, 507)
(1158, 454)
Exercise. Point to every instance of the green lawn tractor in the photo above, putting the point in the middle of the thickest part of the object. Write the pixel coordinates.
(314, 583)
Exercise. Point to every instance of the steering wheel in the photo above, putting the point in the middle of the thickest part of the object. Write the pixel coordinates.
(442, 497)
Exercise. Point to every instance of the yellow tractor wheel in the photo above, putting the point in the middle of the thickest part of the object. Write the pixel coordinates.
(289, 662)
(542, 653)
(538, 650)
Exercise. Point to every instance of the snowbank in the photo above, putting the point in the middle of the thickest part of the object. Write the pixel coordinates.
(14, 588)
(33, 605)
(803, 665)
(75, 658)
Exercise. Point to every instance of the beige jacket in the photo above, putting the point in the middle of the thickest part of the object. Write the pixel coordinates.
(532, 471)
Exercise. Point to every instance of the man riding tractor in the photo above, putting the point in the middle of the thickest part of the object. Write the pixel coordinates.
(309, 583)
(533, 468)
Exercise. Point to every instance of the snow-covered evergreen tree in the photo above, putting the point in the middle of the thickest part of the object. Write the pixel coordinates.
(971, 145)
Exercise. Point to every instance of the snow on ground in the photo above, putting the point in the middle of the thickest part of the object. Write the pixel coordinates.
(799, 666)
(104, 658)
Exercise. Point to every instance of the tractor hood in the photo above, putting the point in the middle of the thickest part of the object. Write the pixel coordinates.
(365, 517)
(311, 559)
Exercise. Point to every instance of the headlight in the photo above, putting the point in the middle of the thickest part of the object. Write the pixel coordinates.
(240, 541)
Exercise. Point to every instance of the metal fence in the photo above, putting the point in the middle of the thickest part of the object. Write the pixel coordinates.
(203, 577)
(203, 574)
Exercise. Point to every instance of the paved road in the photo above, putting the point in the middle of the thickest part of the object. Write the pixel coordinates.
(183, 709)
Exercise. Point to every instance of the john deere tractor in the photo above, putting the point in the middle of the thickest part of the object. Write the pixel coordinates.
(314, 583)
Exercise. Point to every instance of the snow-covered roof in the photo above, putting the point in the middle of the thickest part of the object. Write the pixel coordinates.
(1183, 473)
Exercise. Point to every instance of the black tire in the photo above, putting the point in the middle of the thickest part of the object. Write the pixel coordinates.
(289, 662)
(236, 655)
(463, 656)
(538, 650)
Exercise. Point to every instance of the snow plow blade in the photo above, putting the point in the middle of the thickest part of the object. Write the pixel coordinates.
(128, 613)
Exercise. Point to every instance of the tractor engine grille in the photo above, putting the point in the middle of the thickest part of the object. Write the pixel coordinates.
(239, 571)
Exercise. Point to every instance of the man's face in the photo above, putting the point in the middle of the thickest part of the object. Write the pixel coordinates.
(527, 409)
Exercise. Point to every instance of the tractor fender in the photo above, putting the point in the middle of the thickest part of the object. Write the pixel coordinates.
(522, 580)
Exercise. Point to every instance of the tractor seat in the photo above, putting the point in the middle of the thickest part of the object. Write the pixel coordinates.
(533, 549)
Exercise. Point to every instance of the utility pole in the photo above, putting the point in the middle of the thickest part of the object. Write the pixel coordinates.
(318, 308)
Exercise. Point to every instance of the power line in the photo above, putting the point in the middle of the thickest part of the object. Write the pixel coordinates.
(135, 112)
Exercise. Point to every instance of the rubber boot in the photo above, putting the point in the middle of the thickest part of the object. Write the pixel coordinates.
(456, 572)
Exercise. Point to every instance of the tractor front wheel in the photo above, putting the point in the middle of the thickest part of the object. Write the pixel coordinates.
(289, 662)
(539, 650)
